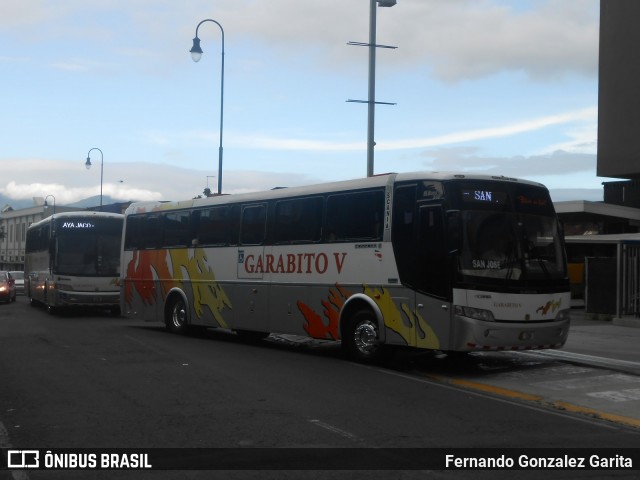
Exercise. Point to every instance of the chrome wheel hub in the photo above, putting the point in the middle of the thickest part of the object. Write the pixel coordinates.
(365, 337)
(178, 315)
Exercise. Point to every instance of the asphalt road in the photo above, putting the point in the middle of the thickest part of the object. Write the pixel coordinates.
(93, 380)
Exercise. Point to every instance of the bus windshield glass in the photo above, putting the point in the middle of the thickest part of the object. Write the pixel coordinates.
(88, 247)
(509, 233)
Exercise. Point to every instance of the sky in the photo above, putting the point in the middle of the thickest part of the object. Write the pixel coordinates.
(481, 86)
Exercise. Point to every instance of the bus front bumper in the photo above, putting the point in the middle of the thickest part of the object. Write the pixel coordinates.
(476, 335)
(88, 298)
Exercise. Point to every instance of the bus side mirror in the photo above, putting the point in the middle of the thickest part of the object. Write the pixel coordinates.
(454, 231)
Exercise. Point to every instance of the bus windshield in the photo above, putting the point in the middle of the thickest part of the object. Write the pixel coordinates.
(509, 234)
(88, 247)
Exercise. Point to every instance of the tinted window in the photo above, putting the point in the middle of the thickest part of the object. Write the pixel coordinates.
(38, 238)
(176, 229)
(355, 216)
(253, 224)
(143, 231)
(298, 220)
(215, 226)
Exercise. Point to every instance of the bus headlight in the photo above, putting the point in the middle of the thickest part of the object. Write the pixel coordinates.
(477, 313)
(563, 315)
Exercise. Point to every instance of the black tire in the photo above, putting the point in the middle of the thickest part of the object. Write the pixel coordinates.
(176, 315)
(361, 337)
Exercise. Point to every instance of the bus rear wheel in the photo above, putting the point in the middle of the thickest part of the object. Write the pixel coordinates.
(176, 316)
(361, 337)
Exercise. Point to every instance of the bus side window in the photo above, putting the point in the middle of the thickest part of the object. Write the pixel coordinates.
(283, 222)
(213, 226)
(133, 239)
(298, 220)
(38, 239)
(233, 224)
(150, 232)
(252, 231)
(355, 216)
(176, 229)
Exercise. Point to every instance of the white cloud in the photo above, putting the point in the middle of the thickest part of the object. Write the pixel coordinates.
(587, 114)
(457, 39)
(558, 163)
(465, 40)
(142, 181)
(146, 181)
(63, 194)
(583, 135)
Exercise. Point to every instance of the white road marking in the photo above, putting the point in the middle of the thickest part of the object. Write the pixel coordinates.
(580, 383)
(618, 395)
(334, 429)
(579, 357)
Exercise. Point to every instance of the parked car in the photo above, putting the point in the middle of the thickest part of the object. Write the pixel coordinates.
(18, 278)
(7, 287)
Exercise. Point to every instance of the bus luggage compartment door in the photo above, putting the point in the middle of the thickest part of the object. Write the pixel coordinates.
(251, 294)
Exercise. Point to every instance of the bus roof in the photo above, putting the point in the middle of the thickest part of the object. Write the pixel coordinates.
(285, 192)
(78, 214)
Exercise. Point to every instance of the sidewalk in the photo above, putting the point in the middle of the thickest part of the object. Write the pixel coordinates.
(595, 335)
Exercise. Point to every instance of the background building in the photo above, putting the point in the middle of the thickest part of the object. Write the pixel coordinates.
(618, 98)
(603, 243)
(13, 232)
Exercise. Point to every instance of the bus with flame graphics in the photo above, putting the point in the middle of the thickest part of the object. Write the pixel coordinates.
(448, 262)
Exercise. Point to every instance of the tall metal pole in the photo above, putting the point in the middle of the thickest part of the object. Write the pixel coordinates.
(371, 102)
(88, 165)
(196, 53)
(372, 88)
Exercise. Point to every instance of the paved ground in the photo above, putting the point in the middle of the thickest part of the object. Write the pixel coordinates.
(595, 375)
(602, 337)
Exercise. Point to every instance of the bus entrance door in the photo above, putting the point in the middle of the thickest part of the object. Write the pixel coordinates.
(432, 280)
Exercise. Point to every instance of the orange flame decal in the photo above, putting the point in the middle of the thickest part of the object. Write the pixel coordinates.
(175, 268)
(315, 325)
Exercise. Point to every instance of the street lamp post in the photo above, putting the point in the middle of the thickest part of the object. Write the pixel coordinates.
(371, 101)
(54, 203)
(196, 54)
(88, 165)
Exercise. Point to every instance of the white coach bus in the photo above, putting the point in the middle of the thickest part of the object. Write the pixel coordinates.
(73, 259)
(435, 261)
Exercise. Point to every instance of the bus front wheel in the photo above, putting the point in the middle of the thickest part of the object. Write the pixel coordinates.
(176, 316)
(361, 337)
